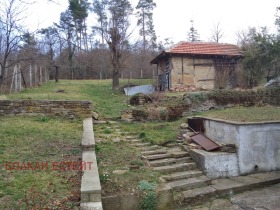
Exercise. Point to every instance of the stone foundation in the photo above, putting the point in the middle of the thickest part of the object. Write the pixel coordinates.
(69, 109)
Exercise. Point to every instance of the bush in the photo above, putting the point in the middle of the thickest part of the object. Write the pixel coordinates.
(248, 97)
(139, 114)
(149, 196)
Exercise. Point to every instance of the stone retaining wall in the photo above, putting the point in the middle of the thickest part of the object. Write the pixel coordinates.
(69, 109)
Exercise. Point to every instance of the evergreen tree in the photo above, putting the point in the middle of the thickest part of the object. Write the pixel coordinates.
(79, 13)
(145, 21)
(193, 35)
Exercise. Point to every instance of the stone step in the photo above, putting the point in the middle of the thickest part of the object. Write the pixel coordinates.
(169, 161)
(176, 167)
(141, 144)
(129, 138)
(179, 154)
(190, 183)
(149, 148)
(154, 152)
(134, 141)
(182, 175)
(157, 156)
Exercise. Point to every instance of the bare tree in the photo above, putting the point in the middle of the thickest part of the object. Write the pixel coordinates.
(217, 33)
(115, 32)
(11, 31)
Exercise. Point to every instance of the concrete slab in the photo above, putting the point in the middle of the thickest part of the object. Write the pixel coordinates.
(268, 178)
(197, 195)
(179, 154)
(187, 184)
(181, 175)
(88, 135)
(221, 204)
(157, 156)
(91, 206)
(90, 183)
(116, 139)
(266, 198)
(226, 186)
(176, 167)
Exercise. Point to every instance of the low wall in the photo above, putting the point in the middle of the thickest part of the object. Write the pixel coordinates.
(258, 144)
(216, 164)
(45, 107)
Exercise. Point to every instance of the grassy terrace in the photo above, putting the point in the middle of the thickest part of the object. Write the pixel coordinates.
(38, 140)
(42, 139)
(246, 114)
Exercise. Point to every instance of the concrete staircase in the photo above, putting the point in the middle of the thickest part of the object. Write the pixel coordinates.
(179, 171)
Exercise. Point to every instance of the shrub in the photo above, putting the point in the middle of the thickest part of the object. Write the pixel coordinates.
(248, 97)
(198, 97)
(139, 114)
(149, 196)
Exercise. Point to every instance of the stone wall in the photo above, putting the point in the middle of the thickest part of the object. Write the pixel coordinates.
(69, 109)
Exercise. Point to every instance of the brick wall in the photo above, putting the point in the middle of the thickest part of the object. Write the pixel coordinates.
(69, 109)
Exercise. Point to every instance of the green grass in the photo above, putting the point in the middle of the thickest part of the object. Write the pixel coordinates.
(106, 102)
(120, 156)
(154, 132)
(246, 114)
(38, 140)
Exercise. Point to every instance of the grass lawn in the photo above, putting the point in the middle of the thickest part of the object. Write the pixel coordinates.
(121, 156)
(31, 139)
(39, 140)
(246, 114)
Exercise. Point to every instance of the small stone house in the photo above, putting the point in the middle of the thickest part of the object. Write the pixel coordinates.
(198, 65)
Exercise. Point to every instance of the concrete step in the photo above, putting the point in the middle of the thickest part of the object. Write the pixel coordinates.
(176, 167)
(226, 187)
(169, 161)
(196, 196)
(179, 154)
(135, 141)
(149, 148)
(182, 175)
(156, 157)
(154, 152)
(141, 144)
(190, 183)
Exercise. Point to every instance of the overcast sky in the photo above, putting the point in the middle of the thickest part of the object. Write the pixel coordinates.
(172, 17)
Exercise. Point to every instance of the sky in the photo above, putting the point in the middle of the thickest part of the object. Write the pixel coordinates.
(172, 17)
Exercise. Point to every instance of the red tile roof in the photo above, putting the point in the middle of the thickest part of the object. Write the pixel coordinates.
(202, 48)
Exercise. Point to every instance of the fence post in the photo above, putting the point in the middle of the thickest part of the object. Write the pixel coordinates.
(30, 75)
(35, 74)
(40, 76)
(19, 78)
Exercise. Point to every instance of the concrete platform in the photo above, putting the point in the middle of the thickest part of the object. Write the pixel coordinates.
(232, 186)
